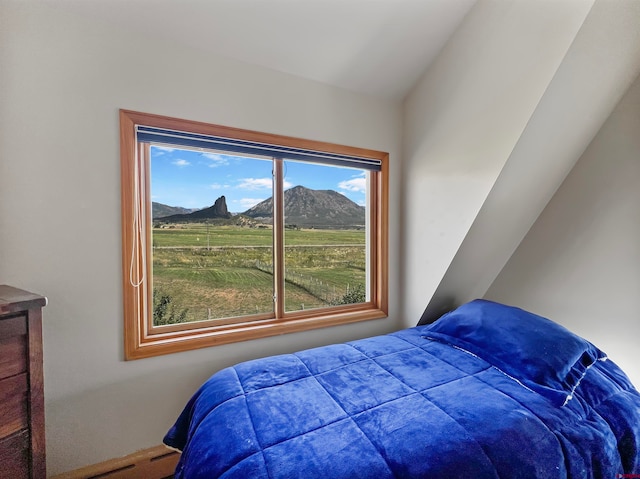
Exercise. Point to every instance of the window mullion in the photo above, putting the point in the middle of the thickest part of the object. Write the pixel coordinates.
(278, 236)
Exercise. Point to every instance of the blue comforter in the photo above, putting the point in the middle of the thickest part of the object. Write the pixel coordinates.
(487, 391)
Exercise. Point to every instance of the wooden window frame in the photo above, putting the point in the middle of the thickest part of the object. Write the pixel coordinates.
(142, 339)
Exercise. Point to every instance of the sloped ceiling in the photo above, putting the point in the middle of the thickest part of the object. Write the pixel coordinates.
(601, 59)
(375, 47)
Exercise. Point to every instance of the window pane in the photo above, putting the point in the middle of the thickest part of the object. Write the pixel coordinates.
(325, 235)
(209, 260)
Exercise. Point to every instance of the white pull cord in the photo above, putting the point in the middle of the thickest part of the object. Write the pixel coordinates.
(138, 236)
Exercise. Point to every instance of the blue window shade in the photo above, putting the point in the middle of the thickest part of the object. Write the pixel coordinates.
(147, 134)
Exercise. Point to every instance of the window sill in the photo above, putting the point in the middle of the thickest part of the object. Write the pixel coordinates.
(159, 342)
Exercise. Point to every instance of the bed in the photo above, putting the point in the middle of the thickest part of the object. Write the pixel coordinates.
(486, 391)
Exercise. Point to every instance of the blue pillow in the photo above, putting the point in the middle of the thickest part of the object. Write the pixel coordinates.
(537, 352)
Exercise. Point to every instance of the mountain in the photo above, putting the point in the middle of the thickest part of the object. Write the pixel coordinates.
(317, 208)
(159, 210)
(217, 210)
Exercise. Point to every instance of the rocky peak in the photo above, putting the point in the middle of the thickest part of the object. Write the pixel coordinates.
(217, 210)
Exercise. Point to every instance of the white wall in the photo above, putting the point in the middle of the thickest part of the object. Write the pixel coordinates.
(62, 81)
(580, 262)
(594, 74)
(463, 120)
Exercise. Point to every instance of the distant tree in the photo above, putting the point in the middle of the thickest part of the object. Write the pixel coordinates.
(164, 311)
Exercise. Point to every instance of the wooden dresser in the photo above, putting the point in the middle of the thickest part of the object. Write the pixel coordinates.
(22, 448)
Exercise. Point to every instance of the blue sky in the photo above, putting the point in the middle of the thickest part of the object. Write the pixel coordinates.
(195, 179)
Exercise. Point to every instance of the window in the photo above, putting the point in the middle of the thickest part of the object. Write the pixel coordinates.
(230, 235)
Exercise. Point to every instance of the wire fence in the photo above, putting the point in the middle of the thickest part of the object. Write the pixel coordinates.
(327, 293)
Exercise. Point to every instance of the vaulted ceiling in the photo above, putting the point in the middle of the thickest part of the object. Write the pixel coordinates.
(376, 47)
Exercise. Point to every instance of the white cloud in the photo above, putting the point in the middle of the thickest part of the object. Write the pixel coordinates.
(356, 185)
(247, 203)
(255, 183)
(161, 150)
(218, 186)
(260, 184)
(216, 159)
(181, 163)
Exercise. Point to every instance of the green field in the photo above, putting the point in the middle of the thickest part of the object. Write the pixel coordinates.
(213, 271)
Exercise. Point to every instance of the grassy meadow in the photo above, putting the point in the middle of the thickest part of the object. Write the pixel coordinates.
(218, 271)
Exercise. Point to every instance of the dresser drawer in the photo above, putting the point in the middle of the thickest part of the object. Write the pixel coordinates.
(22, 438)
(13, 344)
(14, 456)
(14, 414)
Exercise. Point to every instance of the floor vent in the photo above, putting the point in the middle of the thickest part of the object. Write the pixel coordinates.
(156, 463)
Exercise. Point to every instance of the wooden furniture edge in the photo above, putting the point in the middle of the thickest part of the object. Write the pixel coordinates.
(13, 300)
(157, 462)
